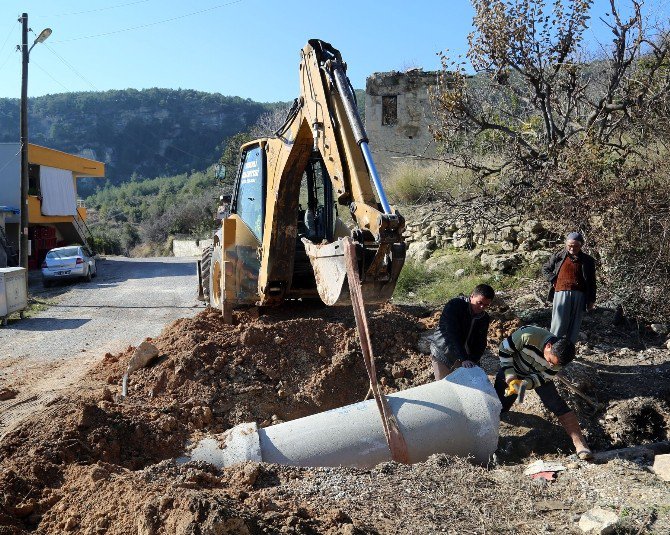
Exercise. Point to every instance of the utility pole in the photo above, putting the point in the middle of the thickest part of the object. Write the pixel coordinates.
(23, 120)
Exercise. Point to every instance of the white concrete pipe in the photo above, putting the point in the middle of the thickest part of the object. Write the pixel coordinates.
(459, 415)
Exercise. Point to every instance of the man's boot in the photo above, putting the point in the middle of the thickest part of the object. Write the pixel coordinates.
(571, 425)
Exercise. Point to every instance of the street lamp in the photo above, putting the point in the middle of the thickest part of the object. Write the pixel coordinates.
(43, 36)
(23, 119)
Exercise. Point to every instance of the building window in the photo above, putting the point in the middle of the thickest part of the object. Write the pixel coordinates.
(33, 179)
(390, 110)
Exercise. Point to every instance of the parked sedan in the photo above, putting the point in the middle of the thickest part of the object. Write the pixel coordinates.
(73, 262)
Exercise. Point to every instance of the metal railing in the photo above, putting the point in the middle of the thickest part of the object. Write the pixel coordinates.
(82, 229)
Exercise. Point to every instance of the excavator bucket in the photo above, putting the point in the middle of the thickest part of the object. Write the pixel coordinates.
(330, 272)
(377, 281)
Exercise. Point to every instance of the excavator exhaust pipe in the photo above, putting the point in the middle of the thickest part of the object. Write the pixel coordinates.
(459, 415)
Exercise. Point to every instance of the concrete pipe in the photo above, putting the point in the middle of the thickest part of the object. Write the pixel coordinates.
(459, 415)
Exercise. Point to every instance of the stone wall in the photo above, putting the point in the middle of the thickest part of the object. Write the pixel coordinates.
(189, 247)
(409, 138)
(502, 249)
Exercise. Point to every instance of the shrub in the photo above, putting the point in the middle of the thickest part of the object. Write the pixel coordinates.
(194, 217)
(437, 285)
(104, 242)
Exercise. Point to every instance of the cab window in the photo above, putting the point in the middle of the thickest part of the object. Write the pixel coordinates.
(250, 200)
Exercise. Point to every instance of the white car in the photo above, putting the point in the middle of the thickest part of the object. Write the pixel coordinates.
(73, 262)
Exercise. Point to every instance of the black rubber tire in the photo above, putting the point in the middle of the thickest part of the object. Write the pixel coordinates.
(205, 266)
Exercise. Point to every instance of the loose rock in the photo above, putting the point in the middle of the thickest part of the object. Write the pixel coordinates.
(598, 521)
(661, 466)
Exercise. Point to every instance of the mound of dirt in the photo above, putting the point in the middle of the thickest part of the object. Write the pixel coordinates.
(208, 376)
(275, 367)
(94, 462)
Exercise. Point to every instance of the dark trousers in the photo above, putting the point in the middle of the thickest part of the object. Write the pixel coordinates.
(547, 392)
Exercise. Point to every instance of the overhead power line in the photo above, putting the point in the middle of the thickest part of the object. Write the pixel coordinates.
(6, 60)
(10, 160)
(49, 75)
(68, 65)
(148, 25)
(91, 10)
(11, 31)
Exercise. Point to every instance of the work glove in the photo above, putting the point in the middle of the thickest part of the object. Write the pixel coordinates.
(514, 386)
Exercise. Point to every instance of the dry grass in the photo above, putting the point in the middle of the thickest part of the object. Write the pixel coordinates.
(413, 182)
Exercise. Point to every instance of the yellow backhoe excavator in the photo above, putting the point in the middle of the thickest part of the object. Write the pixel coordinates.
(282, 237)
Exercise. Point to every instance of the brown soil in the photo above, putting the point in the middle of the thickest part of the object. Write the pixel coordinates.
(95, 463)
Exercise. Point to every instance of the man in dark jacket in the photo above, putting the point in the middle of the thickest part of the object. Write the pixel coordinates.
(460, 339)
(572, 275)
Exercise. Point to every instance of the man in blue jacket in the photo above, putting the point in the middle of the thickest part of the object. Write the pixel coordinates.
(460, 339)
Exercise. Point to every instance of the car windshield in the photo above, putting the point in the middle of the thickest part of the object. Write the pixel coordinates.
(63, 253)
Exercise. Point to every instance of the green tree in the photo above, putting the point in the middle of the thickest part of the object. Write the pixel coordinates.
(230, 158)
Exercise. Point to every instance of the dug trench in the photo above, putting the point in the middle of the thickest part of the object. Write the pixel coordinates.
(93, 462)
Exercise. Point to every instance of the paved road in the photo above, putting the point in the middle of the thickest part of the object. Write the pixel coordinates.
(129, 300)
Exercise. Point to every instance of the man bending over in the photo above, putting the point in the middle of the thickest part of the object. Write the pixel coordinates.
(530, 359)
(460, 338)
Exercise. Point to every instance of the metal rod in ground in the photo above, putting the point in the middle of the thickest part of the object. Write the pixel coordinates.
(577, 391)
(394, 437)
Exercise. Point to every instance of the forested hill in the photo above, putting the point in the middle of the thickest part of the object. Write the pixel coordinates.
(149, 133)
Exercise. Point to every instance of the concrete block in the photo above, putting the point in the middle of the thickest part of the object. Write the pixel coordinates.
(192, 248)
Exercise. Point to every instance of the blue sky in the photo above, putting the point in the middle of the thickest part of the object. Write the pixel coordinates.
(247, 48)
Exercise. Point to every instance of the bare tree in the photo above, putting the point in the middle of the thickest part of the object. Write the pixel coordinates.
(269, 122)
(582, 140)
(537, 93)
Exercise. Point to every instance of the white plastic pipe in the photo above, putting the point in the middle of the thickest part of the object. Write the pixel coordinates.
(459, 415)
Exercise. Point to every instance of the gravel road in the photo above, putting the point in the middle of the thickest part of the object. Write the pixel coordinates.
(129, 300)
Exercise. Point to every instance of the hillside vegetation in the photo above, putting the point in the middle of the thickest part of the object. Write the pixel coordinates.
(142, 215)
(145, 134)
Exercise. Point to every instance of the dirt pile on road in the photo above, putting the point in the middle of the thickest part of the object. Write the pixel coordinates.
(279, 366)
(96, 463)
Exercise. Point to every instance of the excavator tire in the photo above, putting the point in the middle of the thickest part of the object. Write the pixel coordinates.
(205, 268)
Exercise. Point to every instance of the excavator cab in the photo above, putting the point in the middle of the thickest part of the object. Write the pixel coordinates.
(317, 220)
(317, 211)
(249, 199)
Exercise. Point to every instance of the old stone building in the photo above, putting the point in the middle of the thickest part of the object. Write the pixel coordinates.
(397, 116)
